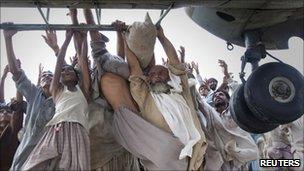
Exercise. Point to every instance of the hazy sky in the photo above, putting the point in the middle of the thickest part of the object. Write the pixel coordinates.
(201, 46)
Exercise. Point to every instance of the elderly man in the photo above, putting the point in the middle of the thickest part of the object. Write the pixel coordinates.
(40, 106)
(166, 133)
(237, 148)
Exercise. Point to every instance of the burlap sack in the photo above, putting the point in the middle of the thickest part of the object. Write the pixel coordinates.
(141, 37)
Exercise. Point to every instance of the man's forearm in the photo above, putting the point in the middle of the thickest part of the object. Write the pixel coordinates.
(169, 49)
(11, 57)
(56, 50)
(132, 61)
(2, 89)
(59, 64)
(199, 79)
(120, 46)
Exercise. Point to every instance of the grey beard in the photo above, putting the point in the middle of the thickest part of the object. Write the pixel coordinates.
(159, 88)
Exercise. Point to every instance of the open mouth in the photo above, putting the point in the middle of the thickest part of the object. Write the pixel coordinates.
(218, 100)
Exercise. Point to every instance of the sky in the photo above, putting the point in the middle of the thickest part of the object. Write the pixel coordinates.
(201, 46)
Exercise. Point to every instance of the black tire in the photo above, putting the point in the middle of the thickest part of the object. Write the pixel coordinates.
(268, 107)
(244, 117)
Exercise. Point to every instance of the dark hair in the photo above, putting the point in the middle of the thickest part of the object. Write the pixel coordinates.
(210, 79)
(14, 106)
(47, 72)
(77, 73)
(223, 91)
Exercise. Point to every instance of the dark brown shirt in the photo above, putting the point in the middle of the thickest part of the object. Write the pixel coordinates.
(9, 141)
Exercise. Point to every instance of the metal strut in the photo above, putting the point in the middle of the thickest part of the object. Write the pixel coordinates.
(97, 11)
(163, 15)
(29, 27)
(48, 14)
(45, 18)
(255, 51)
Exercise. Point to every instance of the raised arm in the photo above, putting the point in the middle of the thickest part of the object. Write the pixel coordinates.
(11, 58)
(84, 67)
(224, 67)
(168, 47)
(77, 35)
(119, 27)
(95, 35)
(132, 60)
(5, 71)
(198, 76)
(39, 74)
(55, 85)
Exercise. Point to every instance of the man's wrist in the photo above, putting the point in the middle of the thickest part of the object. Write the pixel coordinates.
(56, 48)
(161, 36)
(227, 74)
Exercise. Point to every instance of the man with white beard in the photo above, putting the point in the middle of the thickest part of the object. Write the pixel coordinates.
(166, 134)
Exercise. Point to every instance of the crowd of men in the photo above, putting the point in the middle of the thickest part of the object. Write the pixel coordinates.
(126, 112)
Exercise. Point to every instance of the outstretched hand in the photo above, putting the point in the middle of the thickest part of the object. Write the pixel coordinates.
(73, 60)
(195, 67)
(206, 84)
(51, 39)
(119, 26)
(189, 68)
(224, 67)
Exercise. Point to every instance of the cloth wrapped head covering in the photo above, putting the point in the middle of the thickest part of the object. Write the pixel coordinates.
(141, 38)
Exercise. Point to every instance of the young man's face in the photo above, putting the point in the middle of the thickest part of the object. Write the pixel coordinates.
(45, 82)
(203, 91)
(212, 83)
(220, 98)
(68, 74)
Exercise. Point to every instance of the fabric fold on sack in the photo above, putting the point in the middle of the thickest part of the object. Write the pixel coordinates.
(147, 142)
(141, 38)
